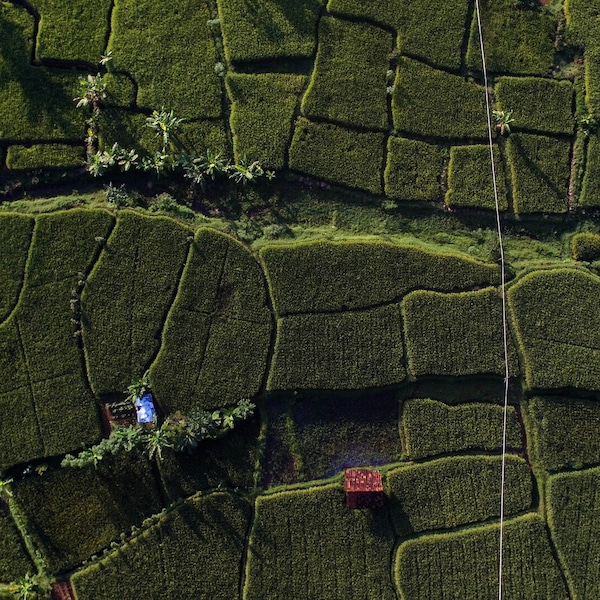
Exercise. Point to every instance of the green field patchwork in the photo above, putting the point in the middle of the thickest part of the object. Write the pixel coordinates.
(217, 334)
(540, 168)
(456, 334)
(180, 37)
(590, 190)
(338, 155)
(536, 103)
(262, 114)
(431, 31)
(348, 83)
(573, 505)
(44, 155)
(465, 564)
(413, 170)
(85, 23)
(557, 326)
(15, 239)
(127, 296)
(74, 513)
(429, 427)
(359, 274)
(35, 102)
(563, 432)
(350, 350)
(516, 40)
(470, 182)
(433, 103)
(163, 561)
(268, 29)
(307, 544)
(14, 559)
(40, 364)
(453, 491)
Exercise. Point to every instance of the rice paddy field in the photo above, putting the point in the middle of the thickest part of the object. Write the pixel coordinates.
(292, 202)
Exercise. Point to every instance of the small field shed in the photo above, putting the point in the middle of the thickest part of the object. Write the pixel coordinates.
(364, 488)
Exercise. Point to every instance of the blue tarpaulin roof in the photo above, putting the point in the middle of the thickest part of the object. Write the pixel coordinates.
(145, 409)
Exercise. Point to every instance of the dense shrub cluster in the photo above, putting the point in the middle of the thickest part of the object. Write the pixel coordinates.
(464, 564)
(351, 350)
(586, 246)
(205, 530)
(348, 83)
(453, 491)
(557, 326)
(307, 544)
(429, 427)
(456, 334)
(361, 274)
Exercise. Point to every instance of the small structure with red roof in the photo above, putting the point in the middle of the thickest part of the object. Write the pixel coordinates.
(62, 591)
(364, 488)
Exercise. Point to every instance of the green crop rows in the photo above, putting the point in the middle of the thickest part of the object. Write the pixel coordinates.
(463, 489)
(465, 564)
(295, 546)
(353, 295)
(353, 275)
(573, 503)
(555, 314)
(430, 427)
(121, 338)
(208, 528)
(455, 334)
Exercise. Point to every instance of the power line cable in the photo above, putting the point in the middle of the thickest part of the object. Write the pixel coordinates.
(503, 294)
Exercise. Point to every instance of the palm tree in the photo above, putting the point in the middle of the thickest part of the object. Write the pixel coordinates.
(138, 387)
(164, 123)
(156, 440)
(503, 120)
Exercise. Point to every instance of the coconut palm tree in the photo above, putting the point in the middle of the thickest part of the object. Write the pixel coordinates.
(164, 124)
(503, 120)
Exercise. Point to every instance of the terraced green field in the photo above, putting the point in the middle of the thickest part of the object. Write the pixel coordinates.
(299, 211)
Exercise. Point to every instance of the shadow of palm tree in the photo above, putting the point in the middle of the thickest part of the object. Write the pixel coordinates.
(36, 103)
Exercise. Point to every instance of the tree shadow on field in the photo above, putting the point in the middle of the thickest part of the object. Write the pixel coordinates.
(265, 16)
(534, 168)
(38, 110)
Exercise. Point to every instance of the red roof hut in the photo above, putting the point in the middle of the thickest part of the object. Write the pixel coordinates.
(62, 591)
(364, 488)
